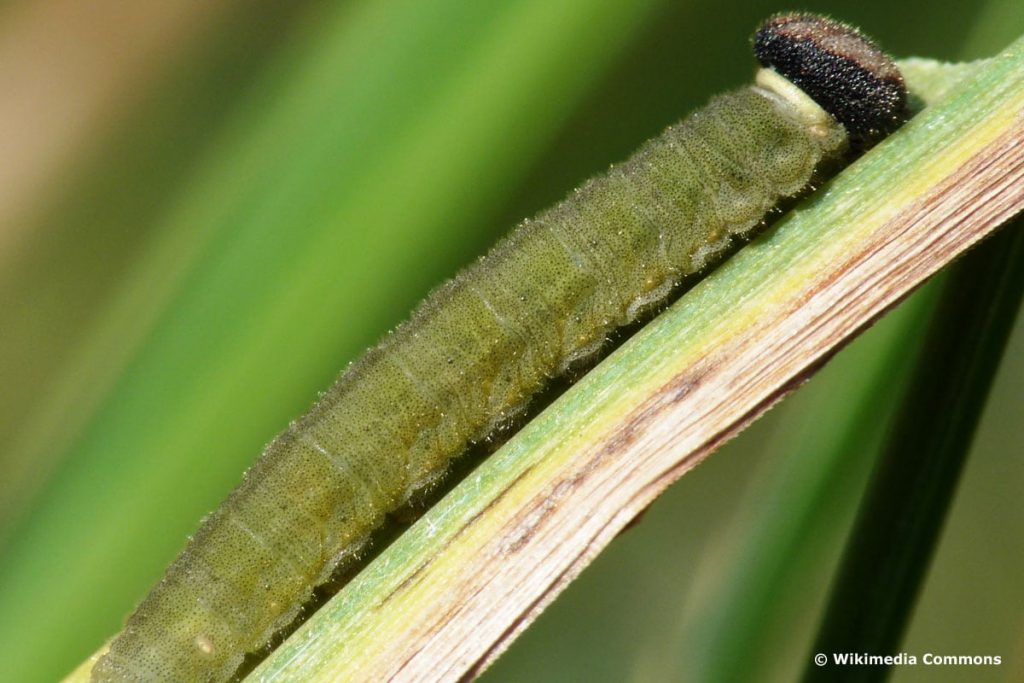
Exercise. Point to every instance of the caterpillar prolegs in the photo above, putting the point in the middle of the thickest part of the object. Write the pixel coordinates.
(483, 344)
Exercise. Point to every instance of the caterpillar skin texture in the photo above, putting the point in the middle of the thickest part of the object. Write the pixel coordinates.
(474, 353)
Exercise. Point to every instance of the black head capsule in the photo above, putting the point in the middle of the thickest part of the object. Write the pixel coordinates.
(839, 68)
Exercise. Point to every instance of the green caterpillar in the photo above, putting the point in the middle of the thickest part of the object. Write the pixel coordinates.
(482, 345)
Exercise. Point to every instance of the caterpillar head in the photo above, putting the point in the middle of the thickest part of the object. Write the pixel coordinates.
(838, 67)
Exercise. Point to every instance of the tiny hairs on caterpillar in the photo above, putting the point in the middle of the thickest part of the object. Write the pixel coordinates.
(484, 343)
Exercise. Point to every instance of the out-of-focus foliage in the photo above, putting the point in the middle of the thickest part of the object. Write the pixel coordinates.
(289, 179)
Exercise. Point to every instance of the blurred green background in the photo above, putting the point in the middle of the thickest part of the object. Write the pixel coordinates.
(208, 209)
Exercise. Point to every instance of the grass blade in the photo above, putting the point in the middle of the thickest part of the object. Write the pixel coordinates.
(898, 527)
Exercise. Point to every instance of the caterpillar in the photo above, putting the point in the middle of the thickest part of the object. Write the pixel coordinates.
(474, 353)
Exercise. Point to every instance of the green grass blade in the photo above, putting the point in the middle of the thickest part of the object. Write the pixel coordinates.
(800, 495)
(901, 518)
